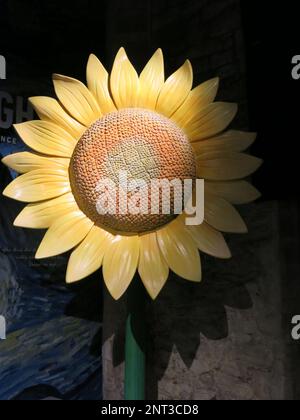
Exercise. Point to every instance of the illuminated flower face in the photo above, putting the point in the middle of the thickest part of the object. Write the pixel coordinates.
(150, 129)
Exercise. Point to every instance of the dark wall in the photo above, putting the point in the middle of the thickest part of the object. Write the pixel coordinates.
(208, 33)
(271, 40)
(39, 38)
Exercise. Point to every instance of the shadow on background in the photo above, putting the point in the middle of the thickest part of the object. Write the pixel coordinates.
(182, 312)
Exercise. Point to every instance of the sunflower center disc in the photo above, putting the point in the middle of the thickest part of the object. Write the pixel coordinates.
(118, 166)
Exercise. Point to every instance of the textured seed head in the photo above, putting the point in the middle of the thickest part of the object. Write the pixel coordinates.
(137, 144)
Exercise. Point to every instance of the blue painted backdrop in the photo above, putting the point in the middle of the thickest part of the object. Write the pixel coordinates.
(53, 340)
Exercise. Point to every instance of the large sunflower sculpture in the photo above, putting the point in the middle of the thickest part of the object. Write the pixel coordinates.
(150, 128)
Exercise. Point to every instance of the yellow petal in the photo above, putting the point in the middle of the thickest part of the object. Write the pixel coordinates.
(230, 141)
(47, 138)
(64, 234)
(152, 79)
(98, 84)
(42, 215)
(222, 216)
(180, 251)
(77, 99)
(48, 109)
(197, 99)
(153, 269)
(175, 90)
(23, 162)
(120, 264)
(38, 185)
(88, 256)
(208, 240)
(236, 192)
(210, 121)
(226, 166)
(124, 82)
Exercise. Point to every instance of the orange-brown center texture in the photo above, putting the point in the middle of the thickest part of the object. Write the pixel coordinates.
(137, 144)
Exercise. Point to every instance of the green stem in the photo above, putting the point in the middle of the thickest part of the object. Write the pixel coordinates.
(135, 359)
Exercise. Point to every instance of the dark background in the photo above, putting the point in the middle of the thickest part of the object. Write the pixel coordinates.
(249, 44)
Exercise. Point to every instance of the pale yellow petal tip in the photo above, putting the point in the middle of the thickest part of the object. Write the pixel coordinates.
(154, 293)
(33, 99)
(9, 160)
(188, 69)
(234, 107)
(214, 83)
(188, 64)
(45, 251)
(93, 57)
(18, 127)
(73, 275)
(243, 230)
(159, 53)
(72, 278)
(231, 111)
(14, 161)
(253, 136)
(42, 253)
(57, 76)
(258, 195)
(23, 221)
(5, 193)
(121, 53)
(195, 279)
(5, 160)
(18, 222)
(116, 296)
(227, 255)
(37, 101)
(229, 108)
(115, 292)
(259, 162)
(195, 275)
(9, 192)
